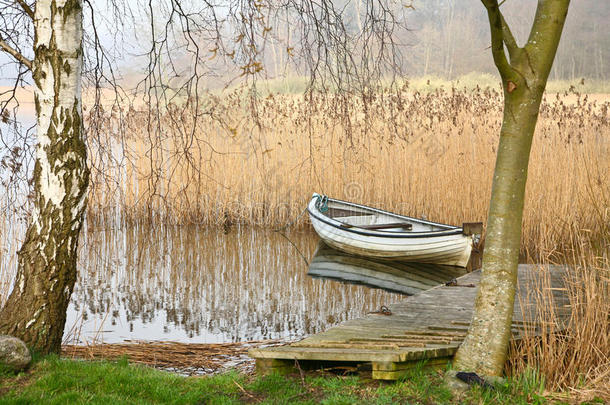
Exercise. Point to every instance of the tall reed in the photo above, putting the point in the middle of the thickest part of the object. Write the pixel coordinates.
(573, 356)
(415, 153)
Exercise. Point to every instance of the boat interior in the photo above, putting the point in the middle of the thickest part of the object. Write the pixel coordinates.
(372, 220)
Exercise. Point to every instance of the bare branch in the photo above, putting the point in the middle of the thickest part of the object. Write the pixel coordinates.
(497, 38)
(509, 39)
(28, 10)
(15, 54)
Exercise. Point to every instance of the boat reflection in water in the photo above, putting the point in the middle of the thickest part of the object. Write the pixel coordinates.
(395, 276)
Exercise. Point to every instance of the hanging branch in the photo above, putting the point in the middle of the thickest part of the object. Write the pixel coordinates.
(28, 10)
(15, 54)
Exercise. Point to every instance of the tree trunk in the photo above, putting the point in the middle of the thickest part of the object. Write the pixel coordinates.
(524, 79)
(486, 344)
(36, 309)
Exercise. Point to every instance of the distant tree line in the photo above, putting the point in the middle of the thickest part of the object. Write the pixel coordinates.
(450, 38)
(444, 34)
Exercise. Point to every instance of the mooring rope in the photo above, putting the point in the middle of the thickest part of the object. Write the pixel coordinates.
(281, 232)
(322, 205)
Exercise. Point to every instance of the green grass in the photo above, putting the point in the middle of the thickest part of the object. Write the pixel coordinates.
(57, 381)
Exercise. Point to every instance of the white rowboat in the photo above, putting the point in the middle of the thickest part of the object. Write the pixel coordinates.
(371, 232)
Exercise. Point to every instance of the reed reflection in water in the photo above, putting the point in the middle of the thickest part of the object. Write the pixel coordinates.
(192, 284)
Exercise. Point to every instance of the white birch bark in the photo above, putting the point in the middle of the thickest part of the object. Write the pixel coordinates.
(36, 308)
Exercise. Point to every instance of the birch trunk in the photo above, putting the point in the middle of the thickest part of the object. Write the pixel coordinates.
(36, 309)
(524, 79)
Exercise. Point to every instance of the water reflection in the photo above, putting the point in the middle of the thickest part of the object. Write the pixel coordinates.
(394, 276)
(190, 284)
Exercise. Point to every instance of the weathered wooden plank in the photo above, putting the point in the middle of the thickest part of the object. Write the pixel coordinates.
(395, 371)
(415, 341)
(265, 366)
(330, 354)
(353, 345)
(395, 366)
(432, 337)
(448, 328)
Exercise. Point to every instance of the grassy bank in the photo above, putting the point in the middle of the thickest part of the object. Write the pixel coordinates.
(58, 381)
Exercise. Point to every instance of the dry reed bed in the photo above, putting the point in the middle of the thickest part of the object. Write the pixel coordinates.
(186, 358)
(574, 357)
(416, 153)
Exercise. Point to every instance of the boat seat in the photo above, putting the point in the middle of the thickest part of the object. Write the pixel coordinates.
(404, 225)
(339, 212)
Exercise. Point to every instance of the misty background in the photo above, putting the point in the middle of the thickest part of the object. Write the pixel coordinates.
(443, 38)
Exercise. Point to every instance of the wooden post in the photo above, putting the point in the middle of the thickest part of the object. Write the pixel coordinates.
(472, 228)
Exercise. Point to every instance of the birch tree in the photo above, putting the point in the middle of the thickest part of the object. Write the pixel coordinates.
(36, 309)
(524, 72)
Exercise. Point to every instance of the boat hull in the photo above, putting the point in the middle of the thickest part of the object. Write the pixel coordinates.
(431, 247)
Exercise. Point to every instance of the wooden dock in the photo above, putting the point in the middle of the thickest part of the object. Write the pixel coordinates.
(428, 326)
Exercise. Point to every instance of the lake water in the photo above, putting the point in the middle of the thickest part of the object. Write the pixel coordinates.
(192, 284)
(195, 284)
